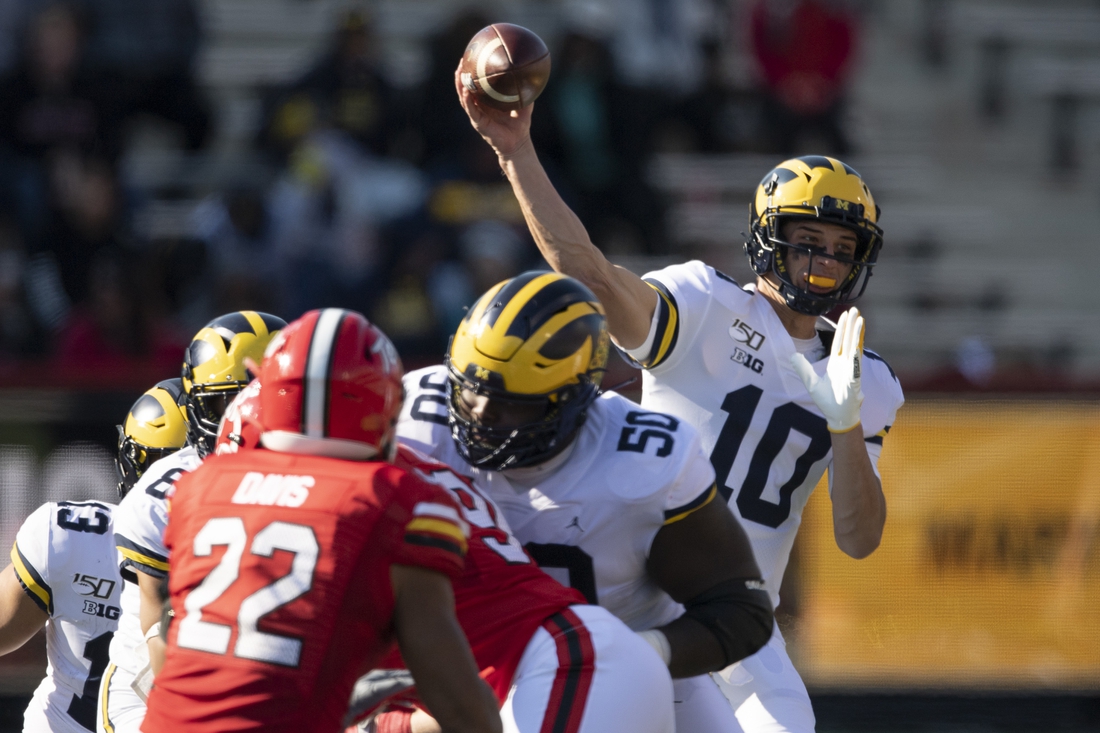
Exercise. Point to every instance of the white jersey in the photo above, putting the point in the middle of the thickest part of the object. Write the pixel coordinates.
(139, 535)
(591, 520)
(720, 360)
(64, 557)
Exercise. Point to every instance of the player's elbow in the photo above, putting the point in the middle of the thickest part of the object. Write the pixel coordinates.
(859, 547)
(738, 613)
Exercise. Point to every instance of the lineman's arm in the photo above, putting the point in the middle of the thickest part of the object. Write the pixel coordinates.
(704, 561)
(20, 617)
(559, 234)
(152, 607)
(437, 654)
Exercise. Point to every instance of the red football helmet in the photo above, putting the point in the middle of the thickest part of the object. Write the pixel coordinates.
(240, 427)
(331, 387)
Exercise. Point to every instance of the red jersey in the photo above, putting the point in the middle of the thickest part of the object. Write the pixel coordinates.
(280, 584)
(503, 597)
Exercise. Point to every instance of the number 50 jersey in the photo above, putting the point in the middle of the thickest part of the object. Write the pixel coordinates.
(589, 515)
(721, 360)
(64, 557)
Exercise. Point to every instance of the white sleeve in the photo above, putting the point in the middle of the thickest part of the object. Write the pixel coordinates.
(139, 532)
(683, 296)
(31, 556)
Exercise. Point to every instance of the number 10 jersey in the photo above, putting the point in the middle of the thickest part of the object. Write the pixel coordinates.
(720, 360)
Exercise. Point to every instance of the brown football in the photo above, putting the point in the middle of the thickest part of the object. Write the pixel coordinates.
(506, 65)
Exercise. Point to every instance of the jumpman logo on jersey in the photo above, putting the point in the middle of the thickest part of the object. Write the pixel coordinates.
(575, 523)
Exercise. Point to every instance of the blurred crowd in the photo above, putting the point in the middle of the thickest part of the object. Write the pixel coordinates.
(379, 196)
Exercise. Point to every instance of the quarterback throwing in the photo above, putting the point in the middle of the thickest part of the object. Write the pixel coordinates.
(778, 394)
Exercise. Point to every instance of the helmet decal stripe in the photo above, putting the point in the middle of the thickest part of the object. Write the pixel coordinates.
(322, 346)
(818, 161)
(551, 299)
(507, 295)
(234, 323)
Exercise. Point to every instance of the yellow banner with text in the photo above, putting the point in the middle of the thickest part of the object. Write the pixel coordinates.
(988, 575)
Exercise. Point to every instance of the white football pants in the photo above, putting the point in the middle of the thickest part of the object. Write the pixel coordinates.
(120, 710)
(760, 694)
(584, 671)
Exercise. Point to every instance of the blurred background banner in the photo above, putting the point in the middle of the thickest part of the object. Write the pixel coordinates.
(988, 575)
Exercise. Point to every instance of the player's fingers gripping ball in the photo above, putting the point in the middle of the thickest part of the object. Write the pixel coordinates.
(506, 66)
(838, 394)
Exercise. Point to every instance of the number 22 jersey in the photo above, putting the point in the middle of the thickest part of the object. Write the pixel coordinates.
(280, 585)
(720, 360)
(64, 557)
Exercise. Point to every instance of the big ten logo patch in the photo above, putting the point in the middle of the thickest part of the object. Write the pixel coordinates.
(89, 585)
(743, 333)
(747, 360)
(102, 610)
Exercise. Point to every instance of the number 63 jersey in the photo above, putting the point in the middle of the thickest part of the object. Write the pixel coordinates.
(720, 359)
(64, 557)
(589, 515)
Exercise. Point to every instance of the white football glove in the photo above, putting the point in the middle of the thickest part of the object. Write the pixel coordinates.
(838, 393)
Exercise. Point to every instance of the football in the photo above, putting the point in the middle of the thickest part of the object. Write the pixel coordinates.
(506, 65)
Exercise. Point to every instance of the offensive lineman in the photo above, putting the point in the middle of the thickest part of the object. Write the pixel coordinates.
(213, 373)
(776, 398)
(330, 553)
(615, 501)
(64, 574)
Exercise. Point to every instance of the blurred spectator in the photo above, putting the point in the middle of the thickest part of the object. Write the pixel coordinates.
(976, 361)
(444, 127)
(14, 17)
(240, 256)
(804, 50)
(344, 91)
(594, 131)
(492, 252)
(327, 209)
(113, 326)
(87, 219)
(713, 111)
(148, 49)
(51, 103)
(20, 333)
(656, 42)
(404, 307)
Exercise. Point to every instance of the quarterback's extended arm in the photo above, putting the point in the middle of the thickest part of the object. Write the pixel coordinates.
(859, 506)
(705, 562)
(437, 654)
(559, 234)
(20, 616)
